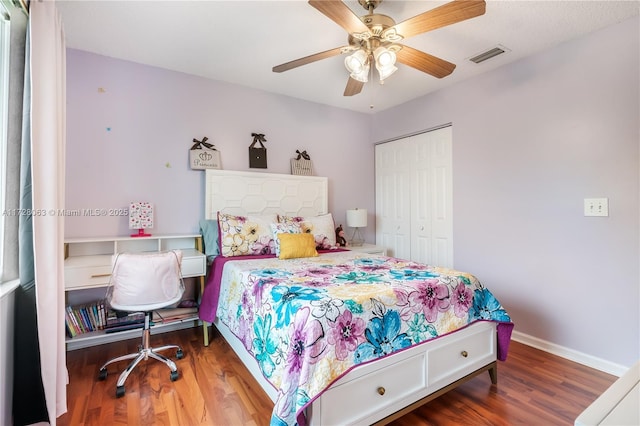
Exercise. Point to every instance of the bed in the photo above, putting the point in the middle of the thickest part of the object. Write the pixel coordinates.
(337, 336)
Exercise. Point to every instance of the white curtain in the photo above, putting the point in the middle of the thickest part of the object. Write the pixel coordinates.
(48, 139)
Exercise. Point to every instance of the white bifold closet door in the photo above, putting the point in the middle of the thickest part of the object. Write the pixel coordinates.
(414, 197)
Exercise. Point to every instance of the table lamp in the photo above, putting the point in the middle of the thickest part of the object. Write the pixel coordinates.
(357, 218)
(140, 217)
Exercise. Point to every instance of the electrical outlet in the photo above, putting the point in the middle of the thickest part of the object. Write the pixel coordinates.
(596, 207)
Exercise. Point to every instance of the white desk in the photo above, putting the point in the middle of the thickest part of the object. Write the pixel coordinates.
(87, 267)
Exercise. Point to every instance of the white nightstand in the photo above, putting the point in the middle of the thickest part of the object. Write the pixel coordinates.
(368, 248)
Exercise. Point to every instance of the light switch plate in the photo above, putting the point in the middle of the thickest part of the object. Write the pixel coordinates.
(596, 207)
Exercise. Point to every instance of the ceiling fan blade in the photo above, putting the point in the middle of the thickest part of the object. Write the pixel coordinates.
(353, 87)
(447, 14)
(424, 62)
(308, 59)
(340, 13)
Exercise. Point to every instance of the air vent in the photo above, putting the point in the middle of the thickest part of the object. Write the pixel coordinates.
(499, 50)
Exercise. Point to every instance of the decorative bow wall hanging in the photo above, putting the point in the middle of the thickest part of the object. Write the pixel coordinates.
(198, 144)
(302, 154)
(258, 137)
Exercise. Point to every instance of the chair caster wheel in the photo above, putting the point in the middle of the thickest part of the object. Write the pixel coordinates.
(174, 375)
(119, 391)
(179, 354)
(102, 374)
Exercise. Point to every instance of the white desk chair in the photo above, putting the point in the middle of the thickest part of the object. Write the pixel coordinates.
(144, 282)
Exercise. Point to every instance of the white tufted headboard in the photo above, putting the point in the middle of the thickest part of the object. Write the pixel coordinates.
(242, 193)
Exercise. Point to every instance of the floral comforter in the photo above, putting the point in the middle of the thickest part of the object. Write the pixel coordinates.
(307, 322)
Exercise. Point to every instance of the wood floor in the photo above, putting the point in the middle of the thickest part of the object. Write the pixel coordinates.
(534, 388)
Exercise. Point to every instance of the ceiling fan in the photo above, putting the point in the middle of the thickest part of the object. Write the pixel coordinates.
(373, 39)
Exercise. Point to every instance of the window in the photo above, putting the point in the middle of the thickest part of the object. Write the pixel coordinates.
(13, 25)
(4, 119)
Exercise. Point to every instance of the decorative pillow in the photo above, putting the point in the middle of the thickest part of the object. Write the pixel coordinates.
(321, 227)
(293, 246)
(245, 235)
(283, 228)
(209, 231)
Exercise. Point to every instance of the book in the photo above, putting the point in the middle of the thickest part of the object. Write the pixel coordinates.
(76, 315)
(94, 317)
(70, 320)
(92, 321)
(67, 330)
(124, 327)
(173, 314)
(71, 327)
(85, 318)
(118, 318)
(103, 317)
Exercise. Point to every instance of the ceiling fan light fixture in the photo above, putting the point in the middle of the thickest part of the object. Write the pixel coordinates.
(385, 72)
(384, 57)
(356, 62)
(363, 75)
(385, 62)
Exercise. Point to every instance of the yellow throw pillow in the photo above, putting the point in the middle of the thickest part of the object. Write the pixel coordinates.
(293, 246)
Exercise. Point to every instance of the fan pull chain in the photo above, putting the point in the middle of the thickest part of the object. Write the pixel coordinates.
(371, 105)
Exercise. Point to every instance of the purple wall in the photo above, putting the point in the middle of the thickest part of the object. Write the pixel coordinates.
(530, 141)
(131, 142)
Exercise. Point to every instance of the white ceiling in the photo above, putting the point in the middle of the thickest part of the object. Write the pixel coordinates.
(240, 41)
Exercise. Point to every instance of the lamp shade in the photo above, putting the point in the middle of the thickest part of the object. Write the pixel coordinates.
(386, 71)
(358, 65)
(356, 62)
(357, 218)
(384, 57)
(385, 62)
(362, 76)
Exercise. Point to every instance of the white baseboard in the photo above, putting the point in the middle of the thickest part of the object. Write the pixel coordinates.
(570, 354)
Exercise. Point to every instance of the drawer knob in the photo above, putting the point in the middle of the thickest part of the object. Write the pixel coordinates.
(464, 354)
(100, 275)
(381, 390)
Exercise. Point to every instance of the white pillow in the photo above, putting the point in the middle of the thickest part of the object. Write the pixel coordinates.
(322, 227)
(283, 228)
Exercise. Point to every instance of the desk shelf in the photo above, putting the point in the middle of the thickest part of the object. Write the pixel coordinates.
(100, 337)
